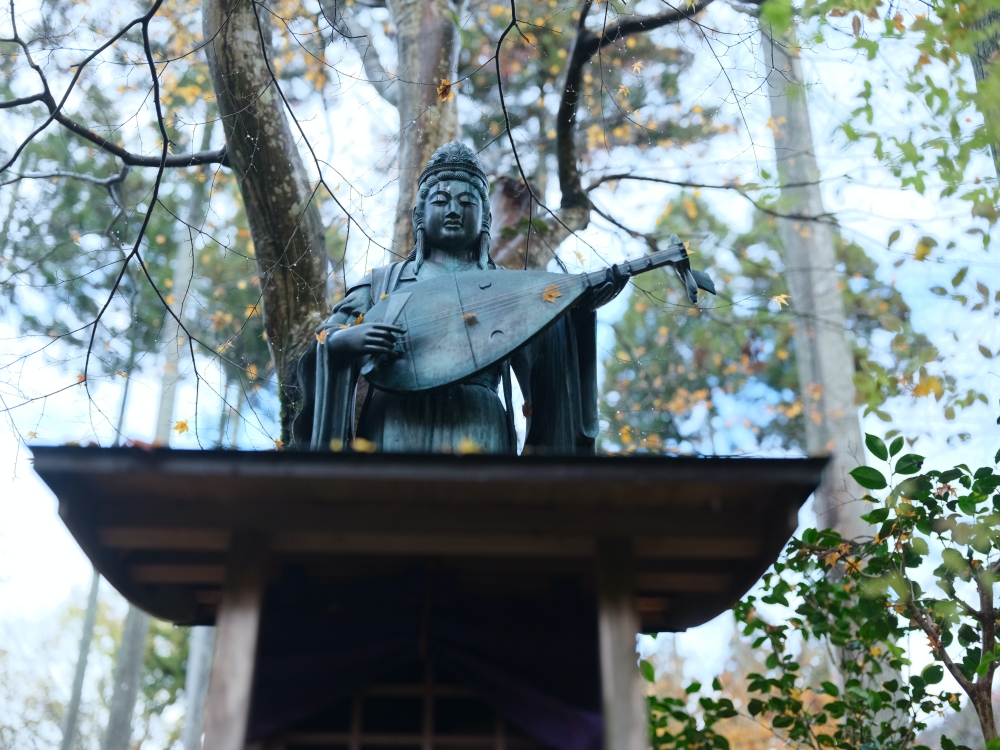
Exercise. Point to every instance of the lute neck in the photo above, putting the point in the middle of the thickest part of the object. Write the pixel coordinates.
(674, 255)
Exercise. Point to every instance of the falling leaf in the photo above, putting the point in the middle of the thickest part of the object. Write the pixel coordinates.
(278, 445)
(336, 445)
(360, 320)
(169, 299)
(637, 67)
(781, 299)
(321, 336)
(470, 319)
(80, 378)
(32, 435)
(623, 89)
(180, 427)
(468, 446)
(384, 295)
(551, 294)
(222, 347)
(446, 90)
(122, 375)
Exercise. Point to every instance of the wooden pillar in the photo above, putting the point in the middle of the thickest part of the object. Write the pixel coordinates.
(237, 624)
(618, 624)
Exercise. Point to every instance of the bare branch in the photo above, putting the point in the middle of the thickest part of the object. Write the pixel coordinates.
(343, 22)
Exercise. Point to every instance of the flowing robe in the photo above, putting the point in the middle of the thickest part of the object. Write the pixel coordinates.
(557, 372)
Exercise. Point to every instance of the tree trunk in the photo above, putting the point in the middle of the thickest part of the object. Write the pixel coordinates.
(128, 671)
(982, 62)
(73, 709)
(176, 342)
(427, 46)
(825, 362)
(278, 199)
(199, 665)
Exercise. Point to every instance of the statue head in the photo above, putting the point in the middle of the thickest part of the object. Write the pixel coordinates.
(453, 204)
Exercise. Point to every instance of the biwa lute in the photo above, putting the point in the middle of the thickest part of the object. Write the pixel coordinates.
(461, 324)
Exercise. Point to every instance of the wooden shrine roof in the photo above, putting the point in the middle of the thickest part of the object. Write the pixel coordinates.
(157, 523)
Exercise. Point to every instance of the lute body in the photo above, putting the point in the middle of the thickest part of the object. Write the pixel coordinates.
(461, 324)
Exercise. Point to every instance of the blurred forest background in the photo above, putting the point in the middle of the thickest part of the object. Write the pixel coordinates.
(187, 187)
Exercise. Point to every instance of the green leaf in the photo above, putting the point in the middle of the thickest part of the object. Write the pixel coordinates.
(909, 464)
(897, 446)
(877, 516)
(869, 478)
(893, 237)
(830, 689)
(694, 687)
(877, 447)
(932, 674)
(993, 744)
(647, 671)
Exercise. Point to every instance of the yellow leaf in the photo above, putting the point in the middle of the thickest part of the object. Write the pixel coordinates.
(467, 446)
(32, 435)
(360, 320)
(321, 336)
(121, 374)
(496, 10)
(181, 427)
(446, 90)
(929, 384)
(782, 354)
(169, 299)
(781, 299)
(383, 296)
(278, 444)
(832, 558)
(637, 67)
(336, 445)
(363, 446)
(623, 89)
(80, 378)
(551, 294)
(690, 208)
(160, 239)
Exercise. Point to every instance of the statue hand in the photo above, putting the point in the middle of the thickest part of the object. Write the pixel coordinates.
(362, 339)
(602, 293)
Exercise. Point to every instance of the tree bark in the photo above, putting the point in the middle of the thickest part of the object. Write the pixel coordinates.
(825, 362)
(983, 61)
(427, 45)
(278, 199)
(128, 670)
(73, 709)
(199, 664)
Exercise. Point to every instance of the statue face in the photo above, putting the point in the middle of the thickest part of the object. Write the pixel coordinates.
(453, 216)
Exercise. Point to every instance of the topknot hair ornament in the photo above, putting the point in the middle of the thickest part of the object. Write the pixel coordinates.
(451, 157)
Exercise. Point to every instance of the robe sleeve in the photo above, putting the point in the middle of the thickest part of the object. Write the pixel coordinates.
(559, 368)
(328, 382)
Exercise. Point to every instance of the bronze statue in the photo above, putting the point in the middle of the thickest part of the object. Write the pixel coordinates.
(437, 334)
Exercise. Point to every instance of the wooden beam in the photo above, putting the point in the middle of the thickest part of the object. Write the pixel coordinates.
(146, 538)
(451, 545)
(682, 583)
(618, 624)
(237, 623)
(177, 573)
(696, 548)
